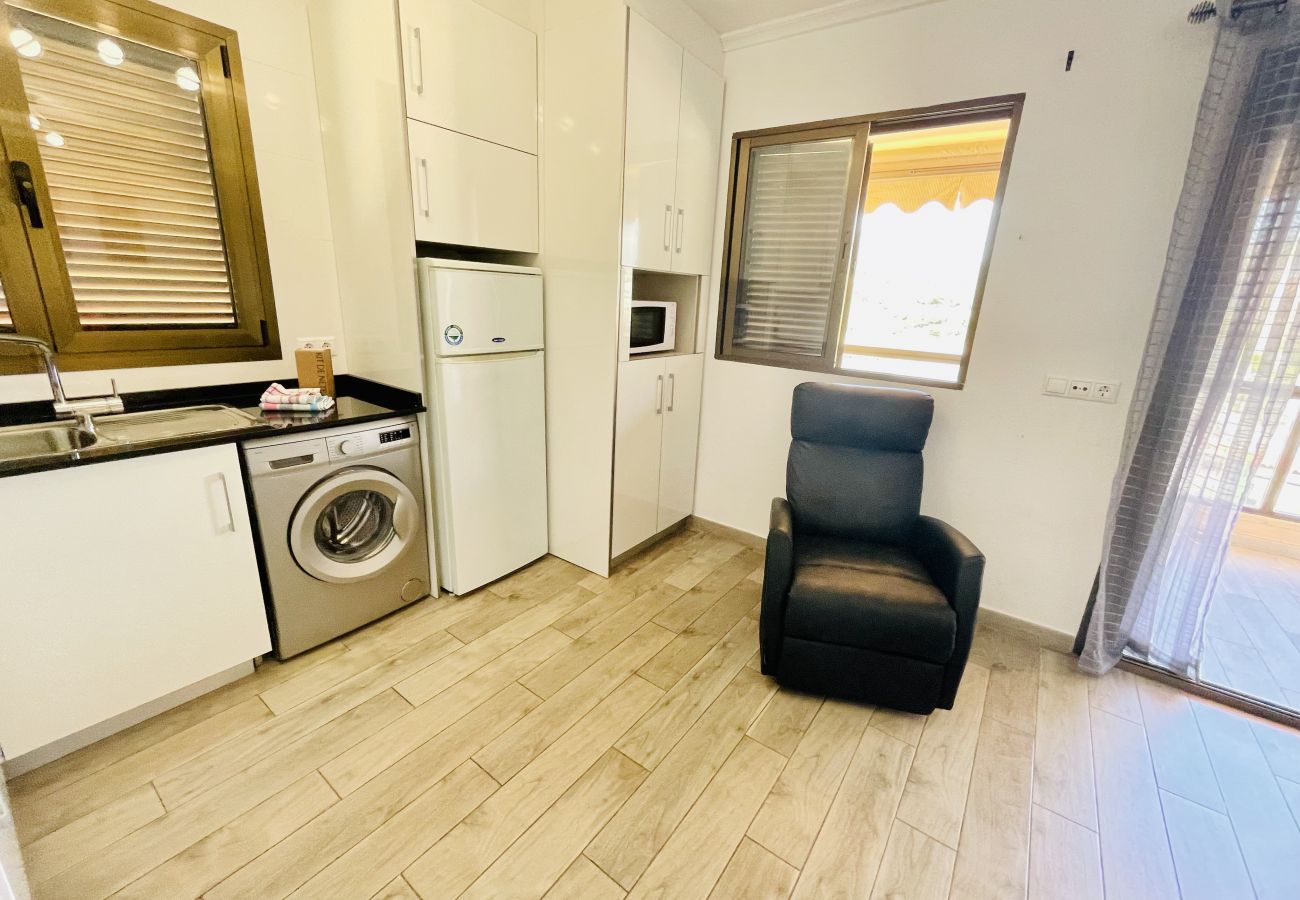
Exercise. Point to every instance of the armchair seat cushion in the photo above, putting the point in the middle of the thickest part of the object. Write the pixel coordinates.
(872, 596)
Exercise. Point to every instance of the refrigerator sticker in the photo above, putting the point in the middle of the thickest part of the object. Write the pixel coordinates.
(453, 335)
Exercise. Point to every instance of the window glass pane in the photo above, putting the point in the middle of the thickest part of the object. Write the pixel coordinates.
(1263, 476)
(794, 218)
(921, 244)
(125, 151)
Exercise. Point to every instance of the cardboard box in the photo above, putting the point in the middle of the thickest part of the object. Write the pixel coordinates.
(316, 370)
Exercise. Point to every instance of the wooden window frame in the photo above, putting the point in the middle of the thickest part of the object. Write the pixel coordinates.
(1008, 106)
(40, 299)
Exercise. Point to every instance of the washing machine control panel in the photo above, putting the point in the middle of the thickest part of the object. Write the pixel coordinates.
(364, 443)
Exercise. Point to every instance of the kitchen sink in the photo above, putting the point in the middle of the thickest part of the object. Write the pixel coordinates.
(186, 421)
(43, 439)
(64, 436)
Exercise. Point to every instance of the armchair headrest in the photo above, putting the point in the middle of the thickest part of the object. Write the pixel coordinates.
(870, 418)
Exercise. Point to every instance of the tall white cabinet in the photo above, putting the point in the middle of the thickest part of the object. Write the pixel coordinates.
(432, 133)
(674, 115)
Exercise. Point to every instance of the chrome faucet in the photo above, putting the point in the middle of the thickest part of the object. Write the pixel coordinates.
(63, 407)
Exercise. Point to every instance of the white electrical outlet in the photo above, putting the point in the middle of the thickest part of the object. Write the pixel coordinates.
(1105, 391)
(316, 343)
(1080, 390)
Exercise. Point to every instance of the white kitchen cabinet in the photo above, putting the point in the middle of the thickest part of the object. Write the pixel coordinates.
(638, 431)
(683, 381)
(654, 78)
(699, 135)
(470, 70)
(674, 124)
(656, 435)
(472, 192)
(124, 582)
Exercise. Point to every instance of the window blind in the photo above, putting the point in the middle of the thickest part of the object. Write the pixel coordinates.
(6, 321)
(794, 218)
(125, 151)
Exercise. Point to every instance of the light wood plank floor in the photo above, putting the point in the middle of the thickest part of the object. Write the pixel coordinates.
(1252, 628)
(563, 735)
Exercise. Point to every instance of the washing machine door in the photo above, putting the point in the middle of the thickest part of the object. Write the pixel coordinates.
(353, 524)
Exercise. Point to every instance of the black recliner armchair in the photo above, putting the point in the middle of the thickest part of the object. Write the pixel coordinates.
(863, 597)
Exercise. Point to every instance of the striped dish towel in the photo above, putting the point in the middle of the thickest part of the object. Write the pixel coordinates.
(278, 397)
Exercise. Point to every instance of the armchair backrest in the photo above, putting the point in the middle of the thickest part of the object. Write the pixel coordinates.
(855, 459)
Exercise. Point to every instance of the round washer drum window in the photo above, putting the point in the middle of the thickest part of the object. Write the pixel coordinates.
(355, 526)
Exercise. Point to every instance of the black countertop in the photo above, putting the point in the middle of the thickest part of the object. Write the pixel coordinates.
(357, 401)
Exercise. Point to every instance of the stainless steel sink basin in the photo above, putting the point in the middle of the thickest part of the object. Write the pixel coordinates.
(64, 437)
(43, 439)
(187, 421)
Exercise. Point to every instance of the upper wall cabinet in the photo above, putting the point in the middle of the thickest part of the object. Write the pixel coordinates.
(674, 129)
(470, 70)
(471, 192)
(471, 104)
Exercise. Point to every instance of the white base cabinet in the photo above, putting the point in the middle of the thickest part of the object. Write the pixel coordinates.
(124, 581)
(656, 436)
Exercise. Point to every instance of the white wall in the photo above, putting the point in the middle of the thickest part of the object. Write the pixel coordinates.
(1089, 205)
(359, 91)
(280, 83)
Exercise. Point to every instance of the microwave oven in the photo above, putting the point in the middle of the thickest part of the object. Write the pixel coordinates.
(652, 326)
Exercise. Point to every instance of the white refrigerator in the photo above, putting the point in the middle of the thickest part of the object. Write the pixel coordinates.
(485, 389)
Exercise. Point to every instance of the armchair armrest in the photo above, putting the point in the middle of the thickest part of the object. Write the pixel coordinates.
(955, 564)
(957, 567)
(778, 573)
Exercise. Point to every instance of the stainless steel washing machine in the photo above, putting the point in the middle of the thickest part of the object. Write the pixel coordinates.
(341, 517)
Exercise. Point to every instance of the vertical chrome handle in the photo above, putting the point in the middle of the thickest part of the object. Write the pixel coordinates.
(229, 523)
(424, 187)
(668, 227)
(672, 391)
(659, 395)
(417, 61)
(681, 227)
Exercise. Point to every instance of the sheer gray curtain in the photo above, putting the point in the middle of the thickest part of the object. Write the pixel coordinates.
(1222, 357)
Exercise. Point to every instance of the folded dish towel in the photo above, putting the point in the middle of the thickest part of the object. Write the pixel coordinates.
(279, 397)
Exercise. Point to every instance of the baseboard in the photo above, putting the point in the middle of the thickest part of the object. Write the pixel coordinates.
(1047, 638)
(647, 543)
(726, 531)
(1040, 635)
(34, 759)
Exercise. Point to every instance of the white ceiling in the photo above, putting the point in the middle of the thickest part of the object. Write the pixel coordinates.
(729, 15)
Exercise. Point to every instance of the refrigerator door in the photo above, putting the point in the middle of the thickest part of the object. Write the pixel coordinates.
(480, 311)
(489, 466)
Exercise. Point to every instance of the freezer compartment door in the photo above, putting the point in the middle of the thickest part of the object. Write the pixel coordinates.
(490, 467)
(475, 312)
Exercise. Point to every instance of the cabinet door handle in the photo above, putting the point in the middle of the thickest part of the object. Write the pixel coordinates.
(424, 187)
(417, 61)
(681, 227)
(672, 391)
(659, 395)
(668, 227)
(229, 524)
